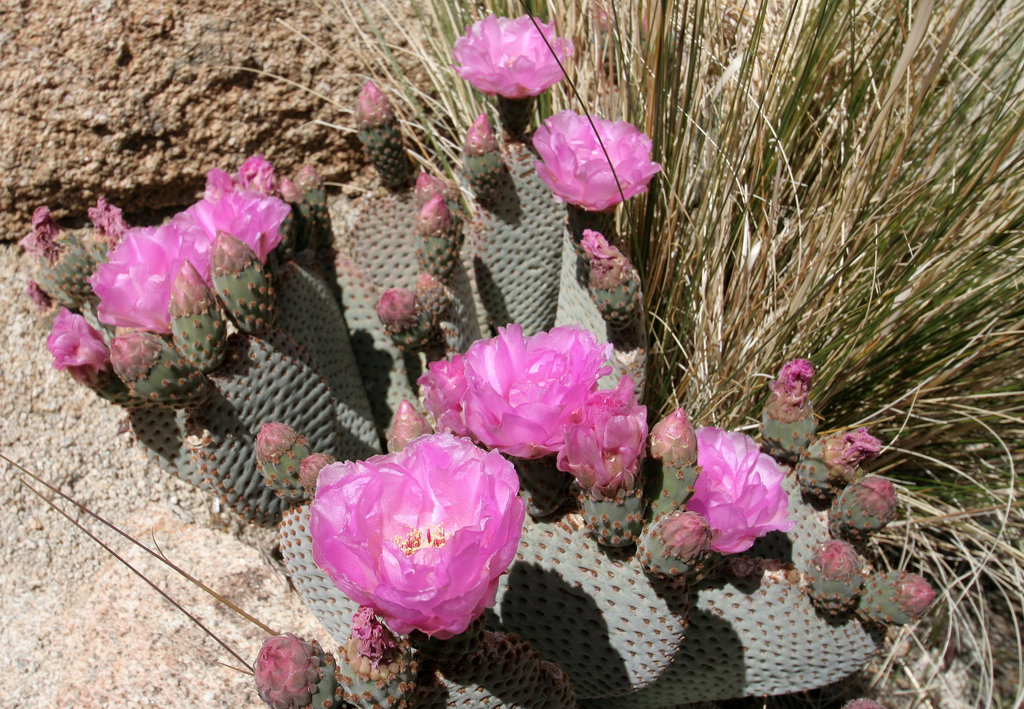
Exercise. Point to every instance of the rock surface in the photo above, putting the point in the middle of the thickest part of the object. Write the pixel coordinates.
(135, 100)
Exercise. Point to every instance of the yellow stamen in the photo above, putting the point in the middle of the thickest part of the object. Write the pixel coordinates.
(415, 540)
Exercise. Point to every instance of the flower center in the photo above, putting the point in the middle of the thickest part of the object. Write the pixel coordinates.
(417, 539)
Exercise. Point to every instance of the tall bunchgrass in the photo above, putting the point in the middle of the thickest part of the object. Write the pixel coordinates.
(843, 180)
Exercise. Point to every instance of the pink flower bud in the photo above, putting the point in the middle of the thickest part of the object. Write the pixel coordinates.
(480, 138)
(673, 440)
(42, 241)
(686, 536)
(274, 440)
(604, 441)
(134, 353)
(434, 218)
(837, 560)
(407, 425)
(427, 187)
(863, 704)
(77, 347)
(423, 535)
(108, 222)
(373, 640)
(788, 401)
(189, 293)
(510, 57)
(397, 308)
(914, 595)
(290, 192)
(876, 497)
(257, 174)
(229, 255)
(310, 467)
(373, 107)
(308, 178)
(739, 490)
(578, 171)
(286, 672)
(40, 298)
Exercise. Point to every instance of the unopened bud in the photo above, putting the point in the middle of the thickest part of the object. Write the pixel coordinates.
(134, 353)
(407, 424)
(673, 440)
(373, 108)
(397, 308)
(189, 293)
(686, 536)
(480, 138)
(286, 672)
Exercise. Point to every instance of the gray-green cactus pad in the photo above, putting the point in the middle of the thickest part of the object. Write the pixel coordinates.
(263, 380)
(516, 244)
(309, 313)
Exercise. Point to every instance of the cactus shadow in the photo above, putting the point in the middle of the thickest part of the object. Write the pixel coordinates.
(563, 624)
(509, 208)
(711, 662)
(490, 293)
(376, 379)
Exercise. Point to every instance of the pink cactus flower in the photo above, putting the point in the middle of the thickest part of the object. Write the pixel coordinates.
(134, 285)
(521, 391)
(577, 170)
(605, 440)
(257, 174)
(421, 536)
(77, 347)
(509, 57)
(739, 490)
(218, 183)
(248, 216)
(444, 386)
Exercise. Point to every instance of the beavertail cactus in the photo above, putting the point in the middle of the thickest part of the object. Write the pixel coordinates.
(529, 553)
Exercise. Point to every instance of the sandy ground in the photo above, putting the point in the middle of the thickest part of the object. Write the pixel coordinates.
(77, 628)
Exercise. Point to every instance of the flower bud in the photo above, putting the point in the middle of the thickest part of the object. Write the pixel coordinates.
(310, 467)
(673, 440)
(189, 293)
(397, 308)
(427, 187)
(274, 440)
(286, 672)
(480, 138)
(407, 424)
(373, 107)
(686, 536)
(134, 353)
(434, 219)
(863, 704)
(257, 174)
(308, 178)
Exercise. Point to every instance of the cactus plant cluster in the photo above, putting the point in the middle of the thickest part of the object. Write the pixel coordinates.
(583, 560)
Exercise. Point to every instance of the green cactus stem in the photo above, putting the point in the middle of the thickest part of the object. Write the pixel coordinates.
(242, 284)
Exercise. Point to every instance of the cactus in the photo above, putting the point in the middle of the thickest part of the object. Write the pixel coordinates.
(641, 582)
